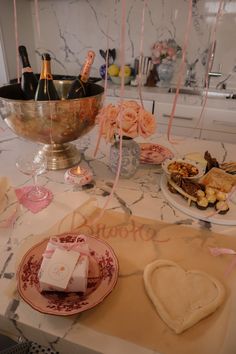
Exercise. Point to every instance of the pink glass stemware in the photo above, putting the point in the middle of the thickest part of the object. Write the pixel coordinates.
(33, 164)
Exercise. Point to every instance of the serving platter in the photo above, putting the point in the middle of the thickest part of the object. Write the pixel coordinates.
(207, 215)
(102, 278)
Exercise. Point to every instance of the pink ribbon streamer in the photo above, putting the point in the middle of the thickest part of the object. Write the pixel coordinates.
(182, 65)
(105, 94)
(210, 61)
(16, 42)
(36, 6)
(141, 53)
(120, 117)
(218, 251)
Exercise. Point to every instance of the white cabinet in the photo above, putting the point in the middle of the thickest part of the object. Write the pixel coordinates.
(185, 120)
(148, 105)
(219, 125)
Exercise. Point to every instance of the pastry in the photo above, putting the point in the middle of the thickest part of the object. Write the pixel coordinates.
(181, 298)
(222, 207)
(218, 179)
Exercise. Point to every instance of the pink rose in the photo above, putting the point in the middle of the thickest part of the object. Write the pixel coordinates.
(147, 123)
(107, 118)
(131, 104)
(128, 122)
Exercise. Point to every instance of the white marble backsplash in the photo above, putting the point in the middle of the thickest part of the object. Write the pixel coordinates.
(70, 28)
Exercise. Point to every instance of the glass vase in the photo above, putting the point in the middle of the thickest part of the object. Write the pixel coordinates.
(130, 157)
(165, 72)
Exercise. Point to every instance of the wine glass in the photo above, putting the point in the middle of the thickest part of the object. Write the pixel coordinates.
(33, 164)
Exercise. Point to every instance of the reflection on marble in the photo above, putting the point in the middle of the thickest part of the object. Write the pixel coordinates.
(70, 28)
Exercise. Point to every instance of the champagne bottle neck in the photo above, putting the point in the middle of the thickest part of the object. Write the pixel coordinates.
(46, 71)
(25, 61)
(85, 72)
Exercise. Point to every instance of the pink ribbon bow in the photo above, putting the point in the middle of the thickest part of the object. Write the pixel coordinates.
(76, 246)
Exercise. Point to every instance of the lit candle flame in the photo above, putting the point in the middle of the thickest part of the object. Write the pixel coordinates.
(78, 171)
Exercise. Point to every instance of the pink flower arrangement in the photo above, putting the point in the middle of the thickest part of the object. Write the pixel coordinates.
(127, 119)
(164, 51)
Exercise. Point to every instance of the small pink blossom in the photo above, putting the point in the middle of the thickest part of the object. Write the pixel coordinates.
(164, 51)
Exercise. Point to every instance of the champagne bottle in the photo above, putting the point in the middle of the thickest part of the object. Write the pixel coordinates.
(29, 81)
(78, 88)
(46, 90)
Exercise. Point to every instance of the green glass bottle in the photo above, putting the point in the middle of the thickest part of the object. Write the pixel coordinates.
(29, 81)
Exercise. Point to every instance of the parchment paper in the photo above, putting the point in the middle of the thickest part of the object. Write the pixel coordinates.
(128, 312)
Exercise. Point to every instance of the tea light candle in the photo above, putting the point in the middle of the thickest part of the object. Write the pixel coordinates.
(78, 175)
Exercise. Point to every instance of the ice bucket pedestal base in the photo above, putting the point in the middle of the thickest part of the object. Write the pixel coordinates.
(60, 156)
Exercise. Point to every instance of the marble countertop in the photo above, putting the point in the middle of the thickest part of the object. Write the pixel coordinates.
(140, 196)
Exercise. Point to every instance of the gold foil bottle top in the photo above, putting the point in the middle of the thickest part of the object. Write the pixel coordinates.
(46, 67)
(87, 66)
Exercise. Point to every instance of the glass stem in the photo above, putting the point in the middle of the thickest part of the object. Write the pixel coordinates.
(35, 178)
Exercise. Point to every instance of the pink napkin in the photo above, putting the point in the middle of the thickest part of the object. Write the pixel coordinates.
(34, 207)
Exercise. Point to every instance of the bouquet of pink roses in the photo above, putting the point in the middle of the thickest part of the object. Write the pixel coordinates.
(127, 119)
(164, 51)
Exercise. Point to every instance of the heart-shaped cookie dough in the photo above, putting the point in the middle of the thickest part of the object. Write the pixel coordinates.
(182, 298)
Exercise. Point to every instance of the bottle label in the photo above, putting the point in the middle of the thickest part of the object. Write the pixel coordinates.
(46, 71)
(27, 69)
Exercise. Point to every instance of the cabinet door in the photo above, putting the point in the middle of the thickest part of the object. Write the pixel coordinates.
(220, 120)
(185, 115)
(219, 125)
(181, 131)
(218, 136)
(148, 105)
(185, 119)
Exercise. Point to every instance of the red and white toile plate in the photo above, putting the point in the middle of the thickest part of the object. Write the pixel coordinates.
(154, 153)
(102, 278)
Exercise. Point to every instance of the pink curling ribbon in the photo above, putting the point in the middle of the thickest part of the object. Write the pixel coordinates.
(105, 94)
(182, 65)
(120, 116)
(16, 42)
(217, 251)
(67, 246)
(210, 61)
(36, 6)
(141, 53)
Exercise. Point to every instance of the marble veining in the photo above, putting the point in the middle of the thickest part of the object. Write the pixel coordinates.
(70, 28)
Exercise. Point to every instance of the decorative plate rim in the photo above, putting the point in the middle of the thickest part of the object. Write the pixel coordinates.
(153, 162)
(31, 303)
